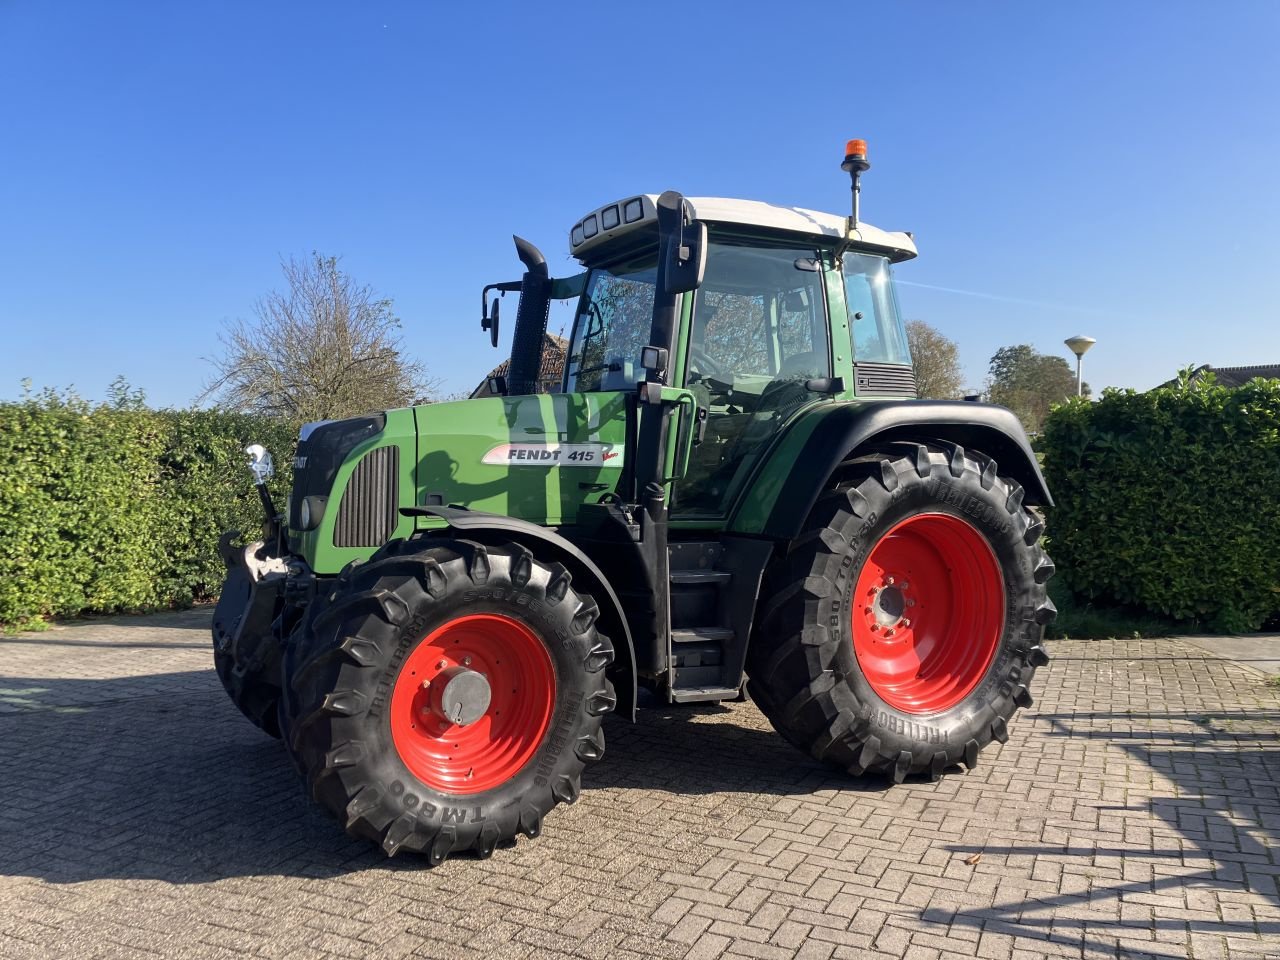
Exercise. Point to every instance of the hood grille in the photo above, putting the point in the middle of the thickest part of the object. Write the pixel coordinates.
(367, 515)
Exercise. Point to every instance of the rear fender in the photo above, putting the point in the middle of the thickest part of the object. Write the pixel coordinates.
(800, 466)
(482, 526)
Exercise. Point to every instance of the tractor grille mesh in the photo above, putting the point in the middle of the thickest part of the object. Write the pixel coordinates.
(884, 380)
(368, 513)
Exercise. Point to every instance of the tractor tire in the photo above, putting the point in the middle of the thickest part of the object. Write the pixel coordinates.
(901, 630)
(445, 695)
(252, 686)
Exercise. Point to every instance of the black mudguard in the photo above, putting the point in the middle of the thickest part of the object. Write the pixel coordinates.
(856, 427)
(476, 523)
(246, 609)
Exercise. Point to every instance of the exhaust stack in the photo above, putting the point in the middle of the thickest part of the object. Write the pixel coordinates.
(531, 320)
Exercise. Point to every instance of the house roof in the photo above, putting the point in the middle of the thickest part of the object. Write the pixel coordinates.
(1233, 376)
(1238, 376)
(551, 367)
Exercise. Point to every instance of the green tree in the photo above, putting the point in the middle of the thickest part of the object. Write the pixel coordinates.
(936, 360)
(1029, 383)
(326, 348)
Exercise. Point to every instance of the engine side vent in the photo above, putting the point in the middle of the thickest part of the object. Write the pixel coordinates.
(884, 380)
(367, 516)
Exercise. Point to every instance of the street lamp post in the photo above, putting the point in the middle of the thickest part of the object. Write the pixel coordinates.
(1079, 346)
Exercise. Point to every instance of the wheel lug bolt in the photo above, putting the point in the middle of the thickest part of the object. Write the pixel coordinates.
(425, 684)
(466, 661)
(905, 584)
(906, 623)
(888, 633)
(889, 581)
(442, 664)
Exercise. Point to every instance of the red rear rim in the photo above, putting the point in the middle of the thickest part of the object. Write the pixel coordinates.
(492, 748)
(928, 611)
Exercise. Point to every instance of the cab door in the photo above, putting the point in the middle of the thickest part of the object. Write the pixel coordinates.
(757, 337)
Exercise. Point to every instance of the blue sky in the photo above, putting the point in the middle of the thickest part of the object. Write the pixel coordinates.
(1098, 168)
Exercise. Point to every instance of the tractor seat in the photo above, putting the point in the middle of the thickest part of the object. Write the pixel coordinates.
(802, 366)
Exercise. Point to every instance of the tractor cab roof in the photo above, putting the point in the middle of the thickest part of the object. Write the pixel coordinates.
(620, 225)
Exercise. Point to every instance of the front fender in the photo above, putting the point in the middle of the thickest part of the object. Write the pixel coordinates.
(798, 468)
(476, 524)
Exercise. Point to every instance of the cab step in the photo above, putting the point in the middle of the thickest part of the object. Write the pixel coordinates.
(703, 694)
(700, 578)
(719, 635)
(714, 584)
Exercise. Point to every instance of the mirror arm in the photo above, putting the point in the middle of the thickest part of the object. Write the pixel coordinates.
(508, 286)
(489, 321)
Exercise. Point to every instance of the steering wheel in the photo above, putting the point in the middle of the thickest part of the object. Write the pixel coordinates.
(700, 362)
(706, 369)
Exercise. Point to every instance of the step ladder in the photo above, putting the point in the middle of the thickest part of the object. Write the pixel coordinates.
(706, 651)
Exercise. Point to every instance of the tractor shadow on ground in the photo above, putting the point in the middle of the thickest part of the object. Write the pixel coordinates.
(1221, 803)
(158, 777)
(713, 748)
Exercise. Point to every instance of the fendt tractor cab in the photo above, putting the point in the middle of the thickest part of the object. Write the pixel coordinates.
(734, 484)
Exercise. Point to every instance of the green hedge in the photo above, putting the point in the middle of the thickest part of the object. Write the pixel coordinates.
(1169, 501)
(118, 507)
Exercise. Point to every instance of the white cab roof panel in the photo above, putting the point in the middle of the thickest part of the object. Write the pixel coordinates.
(615, 220)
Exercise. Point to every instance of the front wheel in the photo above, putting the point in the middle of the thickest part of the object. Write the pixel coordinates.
(901, 631)
(446, 695)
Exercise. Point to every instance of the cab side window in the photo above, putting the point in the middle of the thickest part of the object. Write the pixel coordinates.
(877, 330)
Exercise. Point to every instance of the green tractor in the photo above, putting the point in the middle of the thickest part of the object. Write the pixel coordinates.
(734, 484)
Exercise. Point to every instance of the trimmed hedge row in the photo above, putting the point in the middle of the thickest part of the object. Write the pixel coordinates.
(118, 507)
(1169, 501)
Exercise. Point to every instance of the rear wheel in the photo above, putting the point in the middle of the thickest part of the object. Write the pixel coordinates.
(446, 695)
(902, 629)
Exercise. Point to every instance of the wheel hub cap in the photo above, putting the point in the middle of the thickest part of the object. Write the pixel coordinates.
(889, 604)
(458, 696)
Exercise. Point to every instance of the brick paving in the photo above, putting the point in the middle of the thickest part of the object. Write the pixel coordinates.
(1135, 812)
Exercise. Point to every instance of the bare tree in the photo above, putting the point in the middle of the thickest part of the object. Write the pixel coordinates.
(936, 360)
(326, 348)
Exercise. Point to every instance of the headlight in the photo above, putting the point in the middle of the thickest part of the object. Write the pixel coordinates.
(311, 512)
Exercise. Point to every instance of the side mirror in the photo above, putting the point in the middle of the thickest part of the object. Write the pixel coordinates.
(683, 245)
(687, 258)
(490, 322)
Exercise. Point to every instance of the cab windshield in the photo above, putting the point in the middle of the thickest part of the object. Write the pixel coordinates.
(878, 334)
(614, 317)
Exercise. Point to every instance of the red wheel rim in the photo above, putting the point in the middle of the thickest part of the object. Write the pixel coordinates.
(479, 755)
(928, 611)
